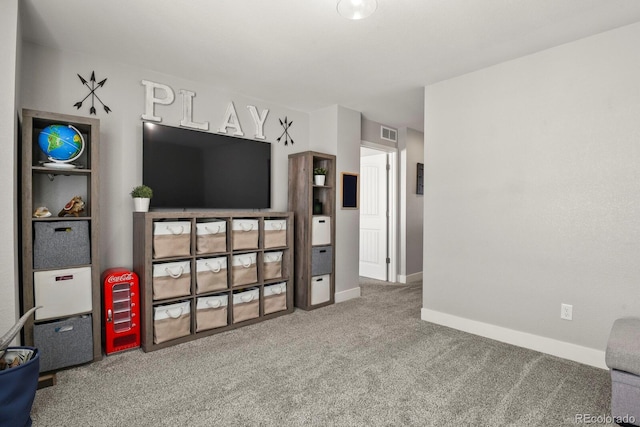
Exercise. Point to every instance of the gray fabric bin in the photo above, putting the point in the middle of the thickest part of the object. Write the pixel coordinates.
(321, 260)
(61, 244)
(64, 343)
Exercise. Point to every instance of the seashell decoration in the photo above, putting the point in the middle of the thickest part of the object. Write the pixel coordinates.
(42, 212)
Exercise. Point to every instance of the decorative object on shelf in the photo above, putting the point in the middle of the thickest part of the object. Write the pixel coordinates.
(42, 212)
(317, 207)
(356, 9)
(319, 176)
(75, 207)
(285, 133)
(350, 195)
(142, 195)
(62, 144)
(92, 93)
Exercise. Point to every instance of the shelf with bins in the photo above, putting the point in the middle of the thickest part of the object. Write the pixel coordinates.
(202, 273)
(314, 209)
(60, 254)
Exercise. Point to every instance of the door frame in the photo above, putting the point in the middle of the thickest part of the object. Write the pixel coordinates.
(392, 203)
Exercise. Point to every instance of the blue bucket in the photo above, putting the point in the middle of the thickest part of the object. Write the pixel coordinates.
(18, 389)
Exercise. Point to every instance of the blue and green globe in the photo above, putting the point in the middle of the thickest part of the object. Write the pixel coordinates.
(61, 143)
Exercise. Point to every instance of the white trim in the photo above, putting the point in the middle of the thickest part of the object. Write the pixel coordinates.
(565, 350)
(347, 295)
(410, 278)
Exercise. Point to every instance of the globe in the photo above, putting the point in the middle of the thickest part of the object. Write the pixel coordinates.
(61, 144)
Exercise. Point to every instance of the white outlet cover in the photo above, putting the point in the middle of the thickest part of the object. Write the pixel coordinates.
(566, 311)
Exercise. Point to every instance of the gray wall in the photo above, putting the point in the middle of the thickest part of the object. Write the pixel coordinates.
(411, 147)
(50, 83)
(370, 131)
(410, 150)
(336, 130)
(9, 34)
(533, 192)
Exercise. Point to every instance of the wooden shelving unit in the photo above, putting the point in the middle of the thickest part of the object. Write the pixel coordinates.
(144, 261)
(311, 257)
(53, 187)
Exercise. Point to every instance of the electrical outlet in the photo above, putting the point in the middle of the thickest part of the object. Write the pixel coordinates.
(566, 311)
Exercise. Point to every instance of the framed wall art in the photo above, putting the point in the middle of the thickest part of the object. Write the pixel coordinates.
(350, 190)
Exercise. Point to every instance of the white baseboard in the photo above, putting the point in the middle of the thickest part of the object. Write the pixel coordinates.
(565, 350)
(347, 295)
(410, 277)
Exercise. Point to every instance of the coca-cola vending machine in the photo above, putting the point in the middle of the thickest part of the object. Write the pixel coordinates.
(121, 315)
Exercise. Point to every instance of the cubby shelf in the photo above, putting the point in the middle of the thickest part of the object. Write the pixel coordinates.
(51, 187)
(144, 261)
(314, 262)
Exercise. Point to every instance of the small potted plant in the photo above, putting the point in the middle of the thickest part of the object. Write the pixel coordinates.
(319, 176)
(141, 197)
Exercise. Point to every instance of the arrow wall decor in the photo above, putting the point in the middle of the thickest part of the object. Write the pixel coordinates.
(286, 124)
(92, 93)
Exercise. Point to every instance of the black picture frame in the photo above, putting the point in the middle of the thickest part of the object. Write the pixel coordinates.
(350, 190)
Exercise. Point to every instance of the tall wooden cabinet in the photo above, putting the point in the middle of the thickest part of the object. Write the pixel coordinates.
(60, 267)
(314, 235)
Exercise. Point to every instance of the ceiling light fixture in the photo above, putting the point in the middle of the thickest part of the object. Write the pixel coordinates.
(356, 9)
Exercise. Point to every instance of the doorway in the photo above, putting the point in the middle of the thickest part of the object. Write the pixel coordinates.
(377, 213)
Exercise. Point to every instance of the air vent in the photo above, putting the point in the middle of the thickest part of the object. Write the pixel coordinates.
(388, 134)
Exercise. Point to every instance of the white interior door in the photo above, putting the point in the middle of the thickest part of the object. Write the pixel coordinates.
(373, 214)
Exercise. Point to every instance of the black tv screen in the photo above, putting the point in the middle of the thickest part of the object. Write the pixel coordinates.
(189, 169)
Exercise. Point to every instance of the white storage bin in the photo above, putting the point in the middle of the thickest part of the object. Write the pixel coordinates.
(320, 289)
(245, 234)
(211, 274)
(62, 292)
(171, 239)
(321, 230)
(171, 279)
(171, 321)
(211, 312)
(211, 237)
(244, 270)
(275, 233)
(272, 265)
(246, 305)
(275, 298)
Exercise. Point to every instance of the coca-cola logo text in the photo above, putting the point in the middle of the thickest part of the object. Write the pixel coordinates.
(125, 277)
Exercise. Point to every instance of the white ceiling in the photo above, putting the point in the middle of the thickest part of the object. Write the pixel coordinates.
(302, 54)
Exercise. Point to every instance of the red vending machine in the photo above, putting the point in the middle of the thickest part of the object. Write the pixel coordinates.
(121, 314)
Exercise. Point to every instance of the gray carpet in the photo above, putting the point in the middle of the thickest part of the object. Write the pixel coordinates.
(370, 361)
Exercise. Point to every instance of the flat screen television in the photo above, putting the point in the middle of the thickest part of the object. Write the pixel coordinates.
(190, 169)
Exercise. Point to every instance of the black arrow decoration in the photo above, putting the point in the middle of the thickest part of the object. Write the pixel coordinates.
(92, 93)
(285, 133)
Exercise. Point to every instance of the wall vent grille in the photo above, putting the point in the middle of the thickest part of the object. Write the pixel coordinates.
(388, 134)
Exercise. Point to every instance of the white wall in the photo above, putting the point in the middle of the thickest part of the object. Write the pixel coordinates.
(532, 196)
(411, 148)
(9, 34)
(50, 83)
